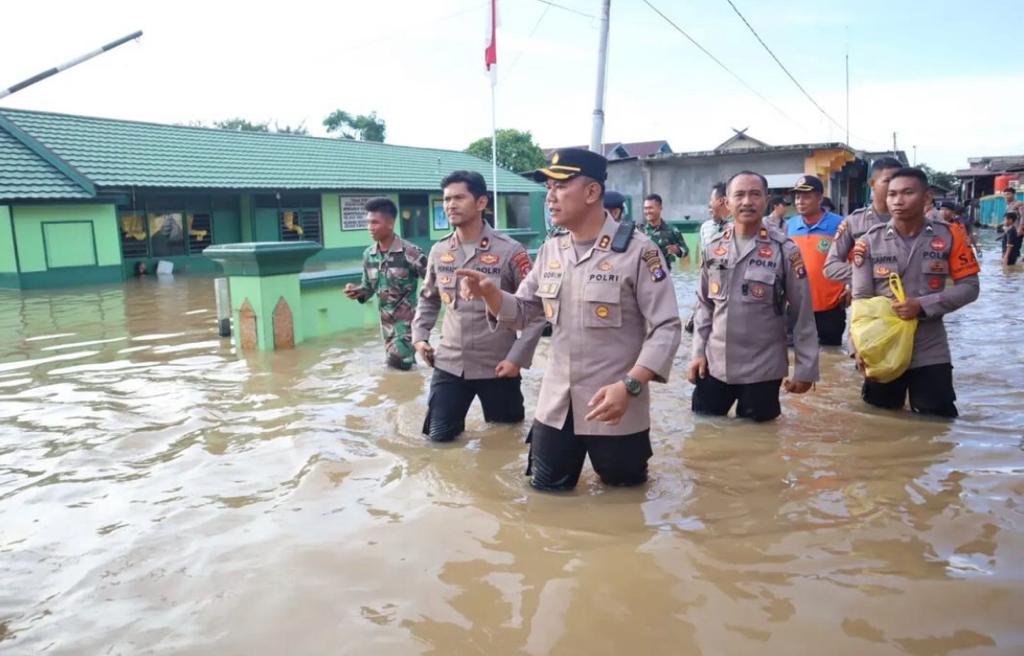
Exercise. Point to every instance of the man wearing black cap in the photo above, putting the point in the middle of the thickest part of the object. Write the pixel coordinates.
(813, 229)
(615, 203)
(605, 291)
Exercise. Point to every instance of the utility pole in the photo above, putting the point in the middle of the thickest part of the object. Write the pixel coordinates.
(63, 67)
(597, 132)
(847, 98)
(894, 143)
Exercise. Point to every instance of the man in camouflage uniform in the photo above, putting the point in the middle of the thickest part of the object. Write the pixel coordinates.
(391, 267)
(666, 237)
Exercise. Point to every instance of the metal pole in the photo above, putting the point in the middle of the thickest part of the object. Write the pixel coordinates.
(220, 288)
(596, 134)
(494, 153)
(847, 99)
(63, 67)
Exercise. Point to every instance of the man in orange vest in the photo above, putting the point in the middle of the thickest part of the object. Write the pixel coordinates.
(813, 230)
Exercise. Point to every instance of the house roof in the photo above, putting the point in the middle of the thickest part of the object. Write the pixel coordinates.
(45, 155)
(633, 149)
(740, 140)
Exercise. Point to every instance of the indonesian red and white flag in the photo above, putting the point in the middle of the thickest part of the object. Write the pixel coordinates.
(491, 51)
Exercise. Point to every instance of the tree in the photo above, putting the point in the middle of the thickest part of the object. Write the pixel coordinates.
(242, 125)
(940, 178)
(516, 150)
(287, 129)
(364, 127)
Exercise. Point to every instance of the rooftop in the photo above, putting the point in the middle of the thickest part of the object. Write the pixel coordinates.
(53, 156)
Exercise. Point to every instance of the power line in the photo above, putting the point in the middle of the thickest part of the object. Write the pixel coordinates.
(508, 72)
(568, 9)
(782, 66)
(719, 62)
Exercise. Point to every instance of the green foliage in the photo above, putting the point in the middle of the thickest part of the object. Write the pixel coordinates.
(940, 178)
(244, 125)
(516, 150)
(364, 127)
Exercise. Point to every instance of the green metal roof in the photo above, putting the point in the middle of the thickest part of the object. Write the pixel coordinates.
(24, 174)
(116, 153)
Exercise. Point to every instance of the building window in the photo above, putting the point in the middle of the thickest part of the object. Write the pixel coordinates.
(133, 234)
(166, 234)
(518, 207)
(200, 233)
(301, 224)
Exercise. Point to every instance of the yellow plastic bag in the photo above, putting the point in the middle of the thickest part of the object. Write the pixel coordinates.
(883, 341)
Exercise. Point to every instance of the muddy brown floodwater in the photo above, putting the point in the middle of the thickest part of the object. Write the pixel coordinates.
(161, 494)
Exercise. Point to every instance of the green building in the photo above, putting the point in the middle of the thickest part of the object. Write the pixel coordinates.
(83, 200)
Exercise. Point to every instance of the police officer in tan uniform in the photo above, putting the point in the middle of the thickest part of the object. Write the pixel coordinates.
(606, 291)
(748, 274)
(925, 253)
(857, 223)
(471, 360)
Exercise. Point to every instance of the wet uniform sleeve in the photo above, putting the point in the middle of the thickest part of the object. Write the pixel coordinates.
(521, 309)
(418, 261)
(805, 332)
(703, 313)
(862, 281)
(365, 289)
(837, 263)
(656, 298)
(516, 271)
(428, 306)
(963, 269)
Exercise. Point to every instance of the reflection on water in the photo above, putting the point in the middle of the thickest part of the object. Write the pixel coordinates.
(158, 493)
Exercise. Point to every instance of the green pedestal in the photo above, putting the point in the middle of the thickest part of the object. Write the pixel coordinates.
(264, 285)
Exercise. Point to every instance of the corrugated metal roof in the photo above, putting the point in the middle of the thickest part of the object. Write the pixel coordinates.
(118, 153)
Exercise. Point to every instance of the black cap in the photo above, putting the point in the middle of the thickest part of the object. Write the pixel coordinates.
(947, 205)
(614, 199)
(809, 183)
(567, 163)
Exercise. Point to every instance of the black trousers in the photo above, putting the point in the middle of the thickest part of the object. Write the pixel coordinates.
(451, 396)
(930, 387)
(557, 455)
(757, 401)
(831, 325)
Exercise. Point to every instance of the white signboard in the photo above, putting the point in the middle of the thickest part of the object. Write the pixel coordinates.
(353, 212)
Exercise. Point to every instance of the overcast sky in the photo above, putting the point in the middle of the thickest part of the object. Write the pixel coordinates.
(928, 69)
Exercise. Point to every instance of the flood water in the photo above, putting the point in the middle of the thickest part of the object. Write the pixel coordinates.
(160, 493)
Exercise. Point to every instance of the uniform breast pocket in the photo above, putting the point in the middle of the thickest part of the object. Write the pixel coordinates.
(935, 272)
(718, 284)
(602, 306)
(398, 273)
(758, 285)
(371, 275)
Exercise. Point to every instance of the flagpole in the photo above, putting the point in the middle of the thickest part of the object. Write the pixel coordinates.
(494, 150)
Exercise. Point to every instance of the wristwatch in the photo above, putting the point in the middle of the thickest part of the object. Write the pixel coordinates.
(633, 386)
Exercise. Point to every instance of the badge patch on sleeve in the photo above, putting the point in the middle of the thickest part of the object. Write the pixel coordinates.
(860, 249)
(521, 262)
(653, 262)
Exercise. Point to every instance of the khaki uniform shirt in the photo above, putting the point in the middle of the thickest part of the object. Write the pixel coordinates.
(609, 311)
(468, 346)
(740, 323)
(940, 252)
(853, 227)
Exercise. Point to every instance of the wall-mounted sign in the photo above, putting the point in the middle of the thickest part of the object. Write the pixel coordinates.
(353, 212)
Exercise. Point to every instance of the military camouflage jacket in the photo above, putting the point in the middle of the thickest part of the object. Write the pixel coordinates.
(665, 235)
(392, 275)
